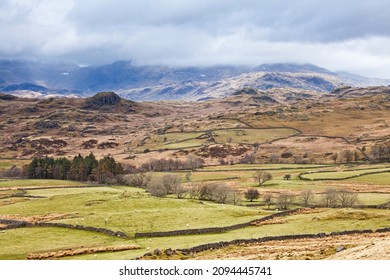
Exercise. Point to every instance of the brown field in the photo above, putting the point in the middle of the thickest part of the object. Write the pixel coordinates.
(235, 135)
(375, 246)
(67, 127)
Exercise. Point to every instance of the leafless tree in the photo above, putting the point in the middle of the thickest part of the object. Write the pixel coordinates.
(274, 158)
(137, 179)
(306, 197)
(248, 158)
(347, 198)
(194, 162)
(156, 187)
(221, 192)
(267, 198)
(206, 192)
(13, 172)
(348, 156)
(236, 198)
(188, 176)
(334, 157)
(171, 182)
(180, 191)
(261, 177)
(330, 197)
(284, 200)
(194, 190)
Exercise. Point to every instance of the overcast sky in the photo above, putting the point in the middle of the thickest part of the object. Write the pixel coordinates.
(338, 35)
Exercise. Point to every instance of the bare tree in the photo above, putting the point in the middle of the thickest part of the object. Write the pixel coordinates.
(330, 197)
(13, 172)
(252, 194)
(306, 197)
(261, 177)
(347, 198)
(284, 200)
(137, 180)
(206, 192)
(171, 182)
(188, 176)
(248, 158)
(236, 198)
(334, 157)
(180, 191)
(156, 187)
(194, 190)
(274, 158)
(194, 162)
(221, 192)
(348, 156)
(267, 198)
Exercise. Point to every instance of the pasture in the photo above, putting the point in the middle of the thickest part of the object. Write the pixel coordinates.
(133, 210)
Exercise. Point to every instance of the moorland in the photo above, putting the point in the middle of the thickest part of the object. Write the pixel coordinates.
(255, 175)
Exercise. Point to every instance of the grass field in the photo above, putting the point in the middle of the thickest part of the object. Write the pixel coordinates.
(7, 163)
(38, 183)
(251, 135)
(275, 166)
(183, 140)
(133, 210)
(344, 174)
(379, 179)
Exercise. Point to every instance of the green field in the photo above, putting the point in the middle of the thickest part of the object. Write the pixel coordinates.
(133, 210)
(38, 183)
(251, 135)
(7, 163)
(174, 140)
(183, 140)
(379, 179)
(343, 174)
(276, 166)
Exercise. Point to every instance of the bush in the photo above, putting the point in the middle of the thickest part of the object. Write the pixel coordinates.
(156, 187)
(13, 172)
(252, 194)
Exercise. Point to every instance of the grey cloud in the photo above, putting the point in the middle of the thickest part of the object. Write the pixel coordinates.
(199, 31)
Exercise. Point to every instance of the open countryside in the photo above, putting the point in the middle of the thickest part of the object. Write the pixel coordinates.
(212, 180)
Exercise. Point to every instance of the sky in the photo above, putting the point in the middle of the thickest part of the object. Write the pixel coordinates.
(342, 35)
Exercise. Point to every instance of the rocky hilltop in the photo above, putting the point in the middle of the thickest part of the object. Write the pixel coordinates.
(36, 79)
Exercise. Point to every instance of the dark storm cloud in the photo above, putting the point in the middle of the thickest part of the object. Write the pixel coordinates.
(286, 20)
(350, 35)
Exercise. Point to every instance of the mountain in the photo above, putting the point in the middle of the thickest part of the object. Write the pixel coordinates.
(29, 78)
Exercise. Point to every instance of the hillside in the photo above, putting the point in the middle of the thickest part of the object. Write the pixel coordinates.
(39, 79)
(307, 142)
(288, 125)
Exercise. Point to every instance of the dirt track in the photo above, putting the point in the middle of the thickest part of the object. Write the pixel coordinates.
(375, 246)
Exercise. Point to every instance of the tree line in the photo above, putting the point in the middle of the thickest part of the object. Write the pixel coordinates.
(79, 168)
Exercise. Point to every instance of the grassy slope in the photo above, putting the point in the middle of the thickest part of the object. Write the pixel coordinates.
(38, 183)
(132, 210)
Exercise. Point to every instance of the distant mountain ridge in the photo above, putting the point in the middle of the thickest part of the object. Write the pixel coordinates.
(167, 83)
